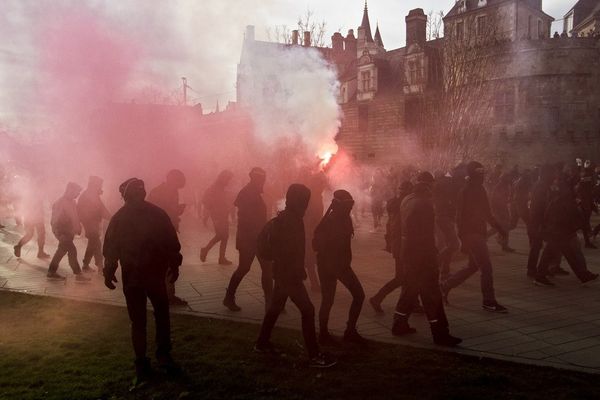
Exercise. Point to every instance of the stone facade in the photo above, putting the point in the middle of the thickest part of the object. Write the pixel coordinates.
(545, 98)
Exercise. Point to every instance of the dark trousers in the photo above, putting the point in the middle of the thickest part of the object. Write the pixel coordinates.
(65, 247)
(393, 284)
(30, 229)
(93, 250)
(136, 307)
(299, 296)
(246, 258)
(570, 248)
(221, 236)
(447, 229)
(535, 247)
(422, 281)
(479, 260)
(329, 277)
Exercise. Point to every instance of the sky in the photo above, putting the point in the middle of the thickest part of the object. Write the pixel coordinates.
(161, 41)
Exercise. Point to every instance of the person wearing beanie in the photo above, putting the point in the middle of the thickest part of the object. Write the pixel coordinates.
(217, 202)
(142, 239)
(420, 260)
(333, 243)
(252, 216)
(166, 196)
(393, 238)
(284, 237)
(473, 216)
(92, 211)
(65, 226)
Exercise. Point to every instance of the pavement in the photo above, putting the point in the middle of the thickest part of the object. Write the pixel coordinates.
(557, 326)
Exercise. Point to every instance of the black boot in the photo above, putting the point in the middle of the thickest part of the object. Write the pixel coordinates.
(442, 337)
(143, 372)
(229, 302)
(401, 327)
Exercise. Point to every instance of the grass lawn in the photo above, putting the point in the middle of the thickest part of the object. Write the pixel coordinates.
(61, 349)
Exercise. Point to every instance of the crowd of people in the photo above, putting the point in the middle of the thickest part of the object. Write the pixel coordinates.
(431, 217)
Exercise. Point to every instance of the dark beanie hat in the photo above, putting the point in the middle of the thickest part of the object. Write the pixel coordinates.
(297, 195)
(126, 187)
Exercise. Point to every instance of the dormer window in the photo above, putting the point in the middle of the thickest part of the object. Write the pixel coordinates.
(460, 30)
(481, 25)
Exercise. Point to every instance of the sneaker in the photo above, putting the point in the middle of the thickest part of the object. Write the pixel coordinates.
(558, 271)
(203, 254)
(494, 307)
(43, 255)
(352, 336)
(177, 301)
(327, 340)
(590, 278)
(265, 348)
(82, 278)
(401, 327)
(224, 261)
(143, 374)
(55, 276)
(17, 251)
(229, 302)
(376, 305)
(542, 281)
(88, 269)
(322, 360)
(446, 340)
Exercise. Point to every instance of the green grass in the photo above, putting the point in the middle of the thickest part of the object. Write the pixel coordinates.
(61, 349)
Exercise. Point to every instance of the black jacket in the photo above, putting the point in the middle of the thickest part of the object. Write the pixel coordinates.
(252, 216)
(333, 242)
(473, 211)
(143, 239)
(288, 244)
(418, 228)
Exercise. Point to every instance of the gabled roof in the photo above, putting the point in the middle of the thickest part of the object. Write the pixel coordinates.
(594, 13)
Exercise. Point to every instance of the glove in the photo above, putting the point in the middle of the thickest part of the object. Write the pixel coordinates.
(108, 282)
(173, 274)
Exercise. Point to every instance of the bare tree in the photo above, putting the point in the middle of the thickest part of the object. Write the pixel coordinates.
(306, 23)
(456, 121)
(434, 24)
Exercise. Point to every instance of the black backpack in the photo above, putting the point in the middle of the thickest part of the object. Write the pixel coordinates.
(264, 245)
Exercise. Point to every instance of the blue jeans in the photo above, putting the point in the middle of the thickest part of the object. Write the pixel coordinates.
(479, 260)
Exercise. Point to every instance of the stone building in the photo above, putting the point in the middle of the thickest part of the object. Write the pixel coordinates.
(543, 95)
(583, 19)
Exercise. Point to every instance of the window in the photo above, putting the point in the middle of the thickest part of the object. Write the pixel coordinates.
(460, 30)
(363, 119)
(365, 78)
(540, 29)
(481, 25)
(415, 72)
(504, 107)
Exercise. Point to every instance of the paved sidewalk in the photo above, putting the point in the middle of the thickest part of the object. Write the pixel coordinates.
(557, 326)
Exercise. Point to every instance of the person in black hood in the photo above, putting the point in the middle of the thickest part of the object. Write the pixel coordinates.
(333, 243)
(285, 236)
(420, 259)
(562, 220)
(142, 238)
(252, 217)
(394, 236)
(473, 216)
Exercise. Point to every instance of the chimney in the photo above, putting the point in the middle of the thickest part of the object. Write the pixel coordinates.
(337, 42)
(295, 36)
(249, 33)
(416, 27)
(350, 42)
(306, 38)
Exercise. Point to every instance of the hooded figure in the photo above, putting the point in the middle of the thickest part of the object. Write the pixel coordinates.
(473, 216)
(333, 243)
(65, 225)
(166, 196)
(217, 203)
(286, 237)
(92, 211)
(252, 217)
(500, 205)
(419, 257)
(142, 238)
